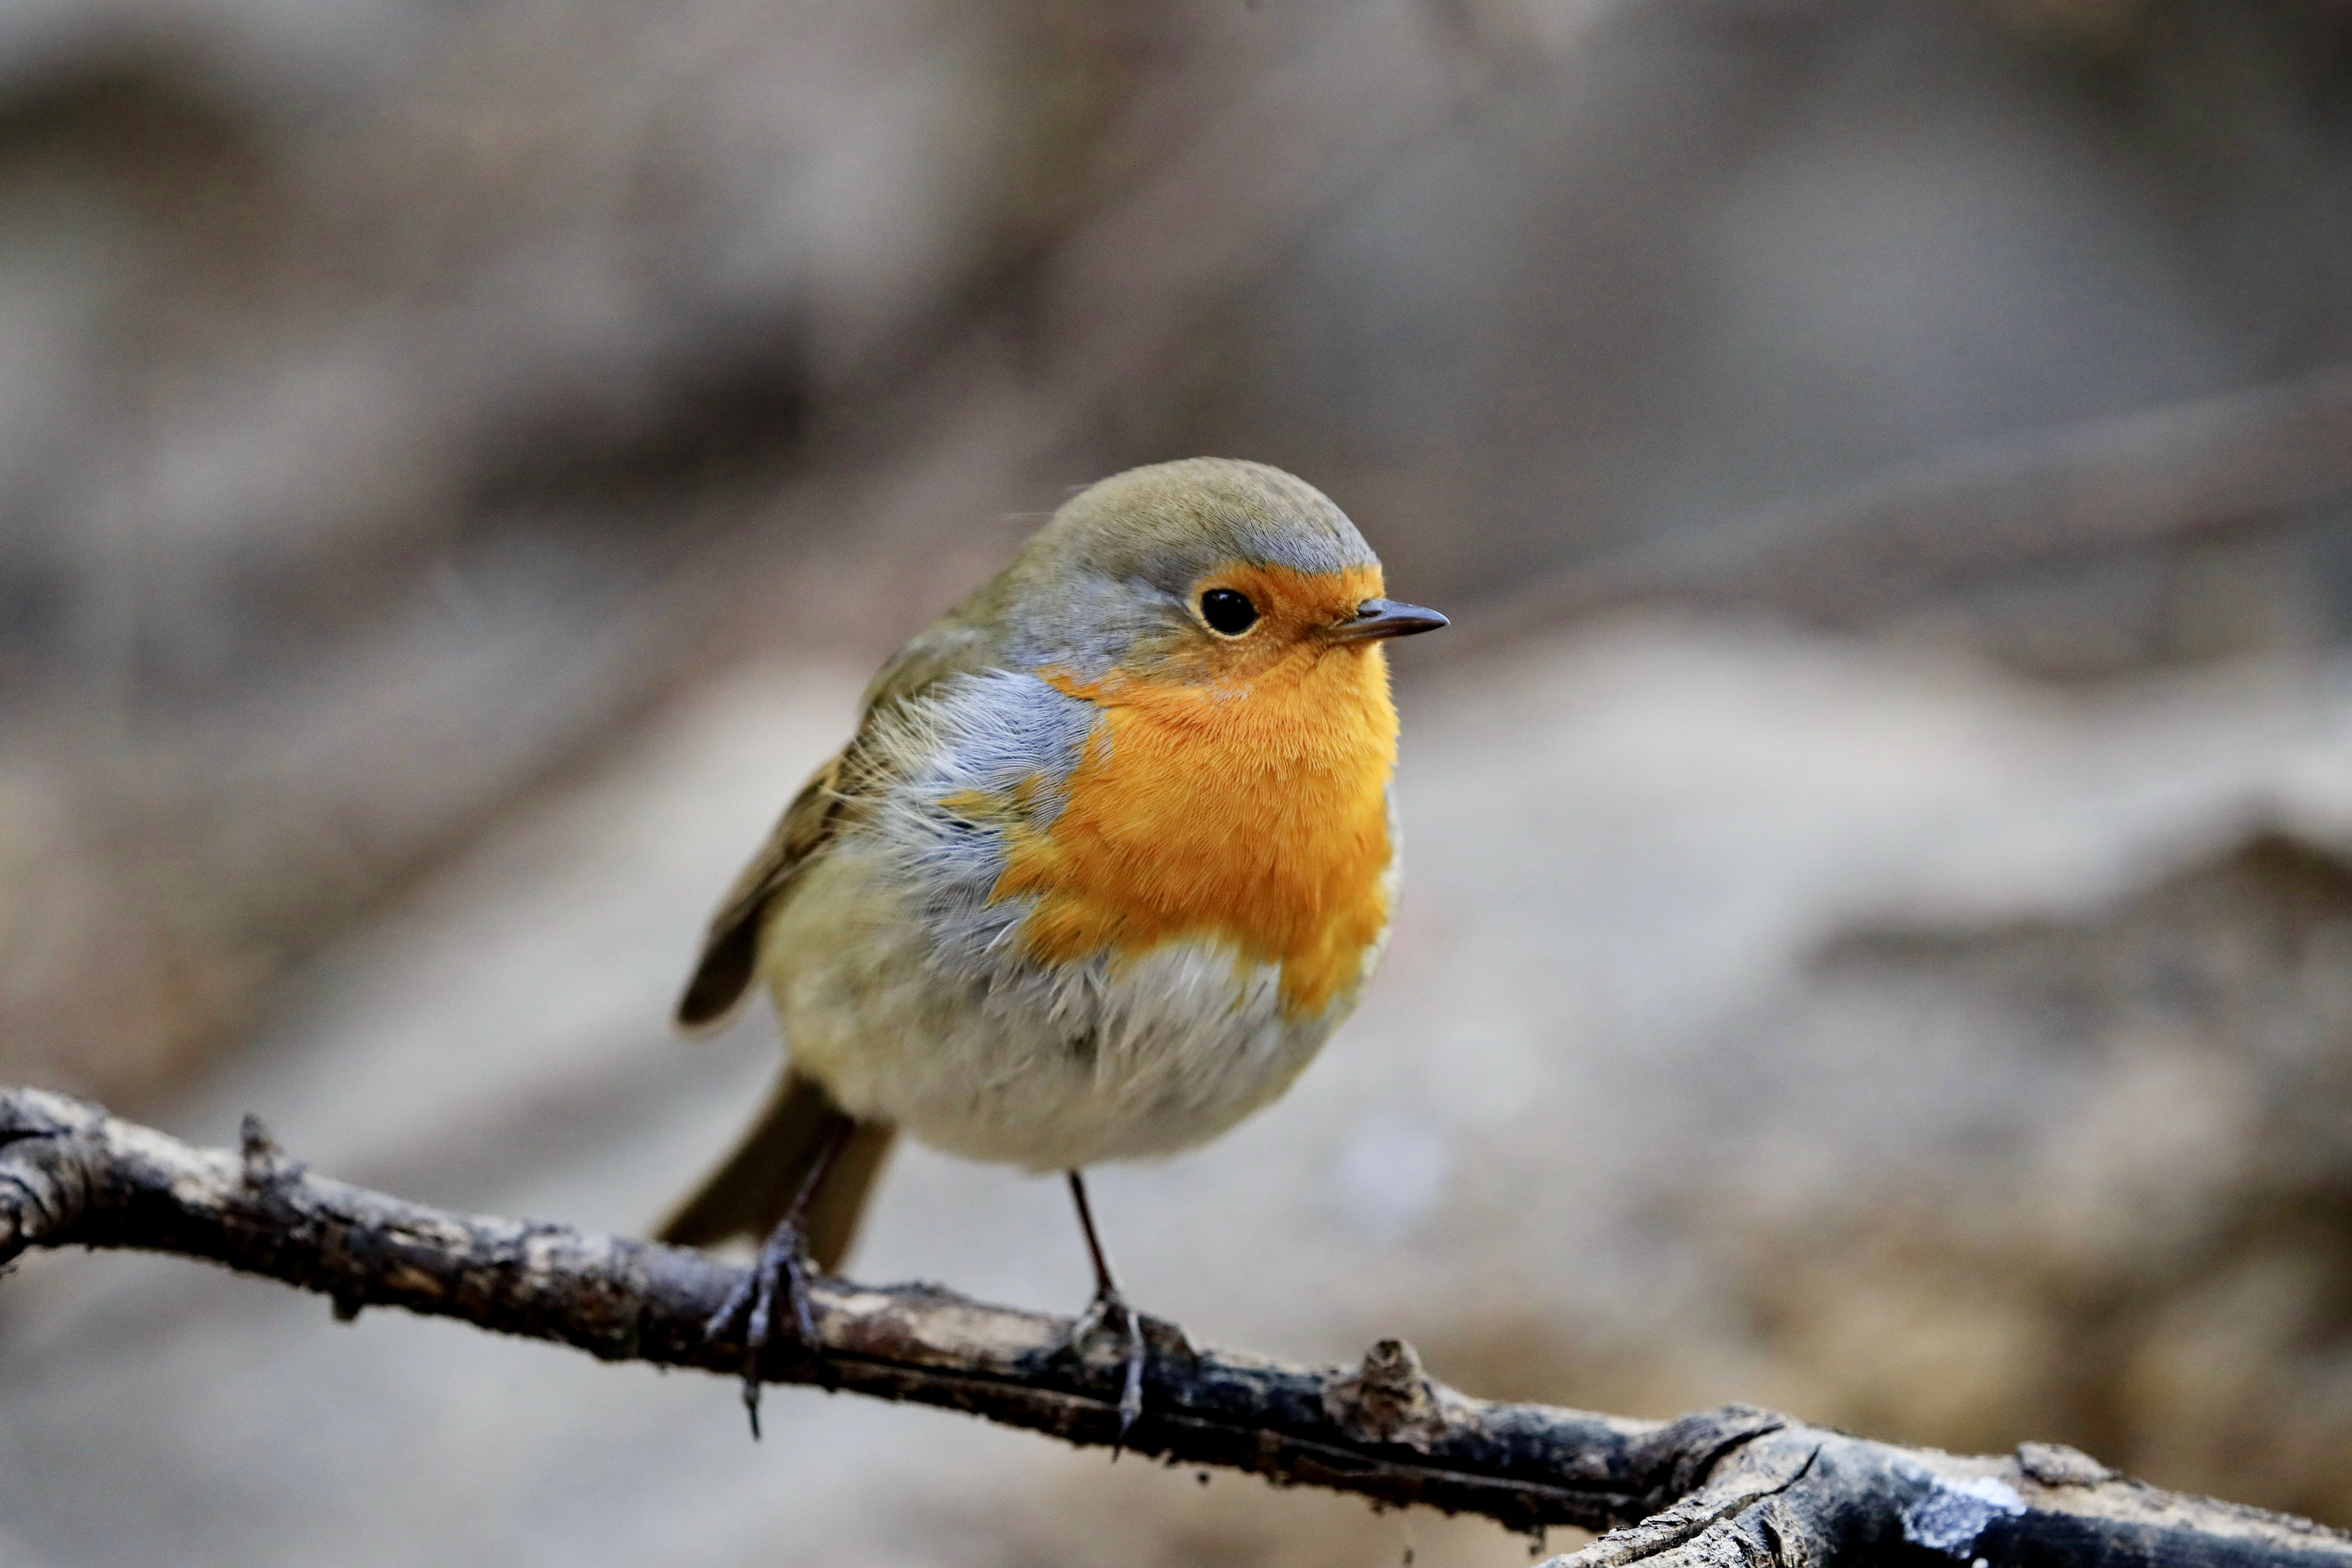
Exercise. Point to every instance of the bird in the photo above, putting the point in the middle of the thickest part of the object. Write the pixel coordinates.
(1109, 855)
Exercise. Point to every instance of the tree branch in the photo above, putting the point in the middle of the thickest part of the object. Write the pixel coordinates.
(1853, 556)
(1729, 1486)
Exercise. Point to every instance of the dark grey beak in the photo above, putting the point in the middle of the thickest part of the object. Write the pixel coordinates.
(1386, 618)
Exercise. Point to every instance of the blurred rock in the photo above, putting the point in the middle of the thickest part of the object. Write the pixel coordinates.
(2125, 1221)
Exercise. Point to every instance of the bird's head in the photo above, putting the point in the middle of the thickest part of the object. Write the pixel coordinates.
(1205, 570)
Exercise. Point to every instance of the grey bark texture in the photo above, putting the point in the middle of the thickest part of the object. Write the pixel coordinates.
(1730, 1486)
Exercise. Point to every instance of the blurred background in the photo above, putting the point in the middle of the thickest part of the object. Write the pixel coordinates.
(1878, 928)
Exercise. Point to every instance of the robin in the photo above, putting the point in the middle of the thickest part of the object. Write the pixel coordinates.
(1108, 860)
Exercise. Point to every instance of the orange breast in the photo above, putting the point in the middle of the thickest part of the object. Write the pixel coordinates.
(1251, 810)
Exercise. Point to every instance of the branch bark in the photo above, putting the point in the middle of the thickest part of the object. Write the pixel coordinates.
(1732, 1486)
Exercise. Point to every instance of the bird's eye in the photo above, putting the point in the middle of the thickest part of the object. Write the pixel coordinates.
(1228, 614)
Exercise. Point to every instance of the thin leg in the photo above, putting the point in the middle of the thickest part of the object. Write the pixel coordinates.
(781, 1267)
(1106, 1287)
(1108, 1305)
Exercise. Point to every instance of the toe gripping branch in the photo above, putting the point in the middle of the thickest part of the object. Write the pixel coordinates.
(1110, 1340)
(1109, 1312)
(781, 1271)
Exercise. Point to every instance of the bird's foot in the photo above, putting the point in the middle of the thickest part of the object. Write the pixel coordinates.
(1109, 1311)
(781, 1269)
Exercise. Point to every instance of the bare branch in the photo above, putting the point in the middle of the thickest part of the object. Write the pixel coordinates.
(1729, 1486)
(1856, 556)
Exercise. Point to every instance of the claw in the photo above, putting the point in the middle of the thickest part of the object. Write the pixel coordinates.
(781, 1266)
(1109, 1304)
(1109, 1308)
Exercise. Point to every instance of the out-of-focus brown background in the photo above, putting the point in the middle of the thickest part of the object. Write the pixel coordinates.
(1878, 936)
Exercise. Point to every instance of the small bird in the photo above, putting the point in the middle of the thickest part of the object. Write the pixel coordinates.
(1109, 858)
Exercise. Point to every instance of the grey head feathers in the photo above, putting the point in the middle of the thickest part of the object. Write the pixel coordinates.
(1117, 561)
(1169, 523)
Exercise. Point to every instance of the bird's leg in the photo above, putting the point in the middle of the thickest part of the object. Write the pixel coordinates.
(780, 1268)
(1108, 1307)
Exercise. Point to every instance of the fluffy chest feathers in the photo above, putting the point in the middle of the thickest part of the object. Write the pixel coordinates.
(1251, 813)
(1096, 920)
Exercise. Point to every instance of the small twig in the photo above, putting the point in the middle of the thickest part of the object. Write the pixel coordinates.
(1722, 1487)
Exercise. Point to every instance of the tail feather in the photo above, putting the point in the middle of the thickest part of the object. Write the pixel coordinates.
(750, 1191)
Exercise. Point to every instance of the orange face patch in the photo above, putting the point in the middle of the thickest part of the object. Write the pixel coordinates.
(1293, 608)
(1235, 788)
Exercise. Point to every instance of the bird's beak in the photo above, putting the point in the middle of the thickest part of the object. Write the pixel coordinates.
(1385, 618)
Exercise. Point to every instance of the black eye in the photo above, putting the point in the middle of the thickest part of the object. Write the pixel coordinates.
(1228, 612)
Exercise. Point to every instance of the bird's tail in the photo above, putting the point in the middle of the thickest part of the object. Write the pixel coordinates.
(752, 1189)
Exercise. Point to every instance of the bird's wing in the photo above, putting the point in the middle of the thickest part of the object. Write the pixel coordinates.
(731, 948)
(859, 771)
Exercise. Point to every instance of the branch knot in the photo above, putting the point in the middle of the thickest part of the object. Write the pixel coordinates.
(1388, 1400)
(265, 1167)
(2056, 1465)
